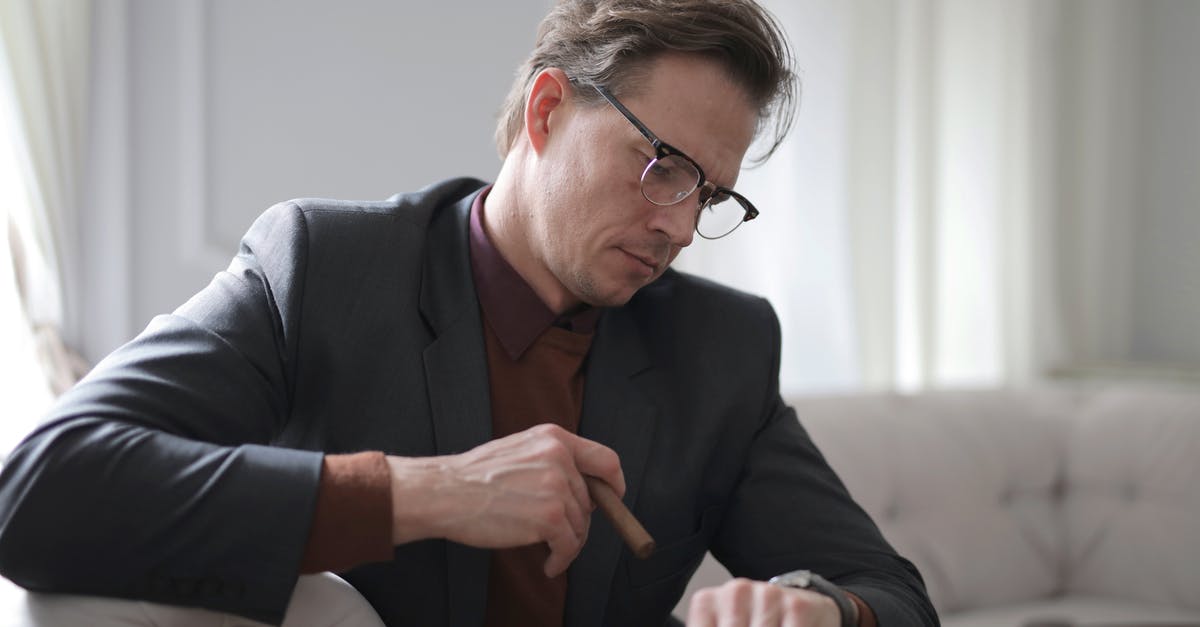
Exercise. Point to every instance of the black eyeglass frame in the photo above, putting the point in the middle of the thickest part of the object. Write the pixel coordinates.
(661, 150)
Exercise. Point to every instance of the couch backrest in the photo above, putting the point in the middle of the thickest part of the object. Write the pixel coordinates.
(1132, 506)
(1008, 496)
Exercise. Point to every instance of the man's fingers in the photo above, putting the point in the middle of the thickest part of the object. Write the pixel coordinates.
(579, 489)
(702, 610)
(741, 602)
(564, 547)
(736, 603)
(578, 513)
(794, 614)
(768, 606)
(595, 459)
(564, 480)
(589, 457)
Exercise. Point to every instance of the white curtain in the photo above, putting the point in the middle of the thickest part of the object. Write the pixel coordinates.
(906, 227)
(23, 386)
(952, 215)
(44, 46)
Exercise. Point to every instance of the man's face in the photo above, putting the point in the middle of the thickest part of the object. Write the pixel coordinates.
(591, 227)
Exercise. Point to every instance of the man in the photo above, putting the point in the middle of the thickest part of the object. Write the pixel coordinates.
(411, 392)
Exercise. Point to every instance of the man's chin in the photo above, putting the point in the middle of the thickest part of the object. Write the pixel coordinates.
(613, 300)
(616, 297)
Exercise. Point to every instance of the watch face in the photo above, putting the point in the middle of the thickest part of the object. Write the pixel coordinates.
(794, 579)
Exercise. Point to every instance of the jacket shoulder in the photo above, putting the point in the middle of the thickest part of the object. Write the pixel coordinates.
(680, 311)
(417, 207)
(679, 290)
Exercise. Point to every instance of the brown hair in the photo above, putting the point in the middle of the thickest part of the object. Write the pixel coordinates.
(610, 42)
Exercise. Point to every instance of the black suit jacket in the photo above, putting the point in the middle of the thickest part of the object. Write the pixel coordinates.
(184, 468)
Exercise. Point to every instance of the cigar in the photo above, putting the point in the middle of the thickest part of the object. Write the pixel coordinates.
(628, 527)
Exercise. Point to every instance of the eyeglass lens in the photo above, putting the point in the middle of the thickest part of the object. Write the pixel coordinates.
(670, 179)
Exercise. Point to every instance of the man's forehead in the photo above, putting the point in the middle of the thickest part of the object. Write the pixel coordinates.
(693, 105)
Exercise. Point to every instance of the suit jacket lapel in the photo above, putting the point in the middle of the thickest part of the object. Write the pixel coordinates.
(456, 375)
(618, 412)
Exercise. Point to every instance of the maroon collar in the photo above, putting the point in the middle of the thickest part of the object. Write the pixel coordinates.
(509, 304)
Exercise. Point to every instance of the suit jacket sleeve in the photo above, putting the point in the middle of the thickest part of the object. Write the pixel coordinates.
(790, 511)
(152, 479)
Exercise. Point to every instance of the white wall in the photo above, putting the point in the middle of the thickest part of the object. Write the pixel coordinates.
(205, 112)
(208, 111)
(1166, 233)
(1129, 159)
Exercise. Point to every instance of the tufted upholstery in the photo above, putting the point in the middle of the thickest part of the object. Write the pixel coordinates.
(1034, 504)
(955, 481)
(1133, 506)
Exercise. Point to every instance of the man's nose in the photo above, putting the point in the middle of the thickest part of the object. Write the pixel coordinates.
(677, 222)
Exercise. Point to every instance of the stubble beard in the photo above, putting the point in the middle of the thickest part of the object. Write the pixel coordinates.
(587, 289)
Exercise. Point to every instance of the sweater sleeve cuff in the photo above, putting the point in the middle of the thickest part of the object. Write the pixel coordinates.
(352, 524)
(866, 617)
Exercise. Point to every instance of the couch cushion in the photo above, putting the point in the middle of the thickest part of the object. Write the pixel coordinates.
(1074, 611)
(965, 484)
(1132, 506)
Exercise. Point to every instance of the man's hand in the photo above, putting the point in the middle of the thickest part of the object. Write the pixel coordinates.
(522, 489)
(745, 603)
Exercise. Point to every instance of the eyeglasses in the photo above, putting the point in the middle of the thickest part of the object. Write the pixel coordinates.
(672, 176)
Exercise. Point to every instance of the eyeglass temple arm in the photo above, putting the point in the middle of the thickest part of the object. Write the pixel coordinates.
(651, 137)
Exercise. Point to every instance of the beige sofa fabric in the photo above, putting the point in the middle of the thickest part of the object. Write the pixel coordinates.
(963, 484)
(1035, 497)
(1076, 504)
(1132, 507)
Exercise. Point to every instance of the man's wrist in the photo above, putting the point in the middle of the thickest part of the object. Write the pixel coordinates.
(808, 580)
(416, 484)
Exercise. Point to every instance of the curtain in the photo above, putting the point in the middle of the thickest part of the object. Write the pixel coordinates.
(43, 86)
(796, 253)
(24, 388)
(952, 210)
(907, 227)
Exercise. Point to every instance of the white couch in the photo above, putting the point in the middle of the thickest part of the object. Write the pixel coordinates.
(1076, 505)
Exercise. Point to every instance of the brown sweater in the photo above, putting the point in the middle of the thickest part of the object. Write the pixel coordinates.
(545, 384)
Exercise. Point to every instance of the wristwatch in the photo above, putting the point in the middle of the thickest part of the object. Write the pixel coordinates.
(808, 580)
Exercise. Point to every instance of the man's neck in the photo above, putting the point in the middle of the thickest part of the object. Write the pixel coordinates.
(507, 227)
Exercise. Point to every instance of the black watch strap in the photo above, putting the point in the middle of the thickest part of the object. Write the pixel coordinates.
(808, 580)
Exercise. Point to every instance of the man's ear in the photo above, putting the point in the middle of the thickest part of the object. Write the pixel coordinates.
(551, 88)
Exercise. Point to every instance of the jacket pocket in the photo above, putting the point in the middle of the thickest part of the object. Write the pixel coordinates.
(676, 558)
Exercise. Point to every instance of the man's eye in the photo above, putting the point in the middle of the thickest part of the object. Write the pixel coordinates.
(662, 169)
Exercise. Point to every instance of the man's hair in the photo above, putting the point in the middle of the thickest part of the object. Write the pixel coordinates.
(611, 43)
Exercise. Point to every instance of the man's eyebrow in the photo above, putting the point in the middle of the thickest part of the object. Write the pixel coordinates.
(723, 185)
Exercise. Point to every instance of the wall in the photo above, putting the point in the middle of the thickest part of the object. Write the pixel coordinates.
(207, 112)
(1129, 151)
(1166, 233)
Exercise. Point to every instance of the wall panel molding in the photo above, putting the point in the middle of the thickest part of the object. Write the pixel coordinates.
(104, 303)
(194, 233)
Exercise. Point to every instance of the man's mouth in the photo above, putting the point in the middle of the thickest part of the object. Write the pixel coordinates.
(650, 262)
